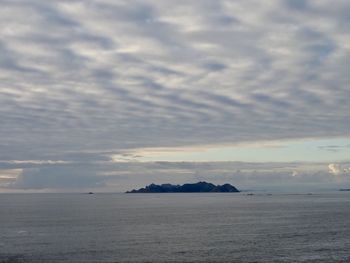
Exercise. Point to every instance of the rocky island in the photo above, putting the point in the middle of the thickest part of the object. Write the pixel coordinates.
(200, 187)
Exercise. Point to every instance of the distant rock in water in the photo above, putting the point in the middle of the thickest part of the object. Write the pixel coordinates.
(345, 190)
(200, 187)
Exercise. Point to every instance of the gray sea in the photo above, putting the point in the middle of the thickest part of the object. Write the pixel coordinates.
(203, 227)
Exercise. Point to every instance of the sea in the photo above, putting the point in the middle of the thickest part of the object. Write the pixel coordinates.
(181, 227)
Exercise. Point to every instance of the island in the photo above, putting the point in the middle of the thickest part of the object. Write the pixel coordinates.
(200, 187)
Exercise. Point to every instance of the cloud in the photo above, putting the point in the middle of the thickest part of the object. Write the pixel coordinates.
(333, 148)
(334, 168)
(58, 177)
(122, 176)
(79, 76)
(338, 169)
(99, 77)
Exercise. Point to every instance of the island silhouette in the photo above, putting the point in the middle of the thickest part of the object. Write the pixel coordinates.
(200, 187)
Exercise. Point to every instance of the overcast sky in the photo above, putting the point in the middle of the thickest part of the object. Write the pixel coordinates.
(109, 95)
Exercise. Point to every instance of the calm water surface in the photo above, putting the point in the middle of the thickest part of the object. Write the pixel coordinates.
(174, 228)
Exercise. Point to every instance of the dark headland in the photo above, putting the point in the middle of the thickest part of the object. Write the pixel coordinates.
(200, 187)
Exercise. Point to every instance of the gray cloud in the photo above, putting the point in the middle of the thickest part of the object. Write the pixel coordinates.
(58, 178)
(112, 177)
(88, 78)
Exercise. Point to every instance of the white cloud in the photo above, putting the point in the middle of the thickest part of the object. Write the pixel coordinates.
(334, 169)
(338, 169)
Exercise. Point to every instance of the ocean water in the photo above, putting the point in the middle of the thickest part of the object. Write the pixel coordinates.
(205, 227)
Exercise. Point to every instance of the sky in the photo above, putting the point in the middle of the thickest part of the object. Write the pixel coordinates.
(111, 95)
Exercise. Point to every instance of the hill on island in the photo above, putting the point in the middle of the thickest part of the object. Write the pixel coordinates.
(200, 187)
